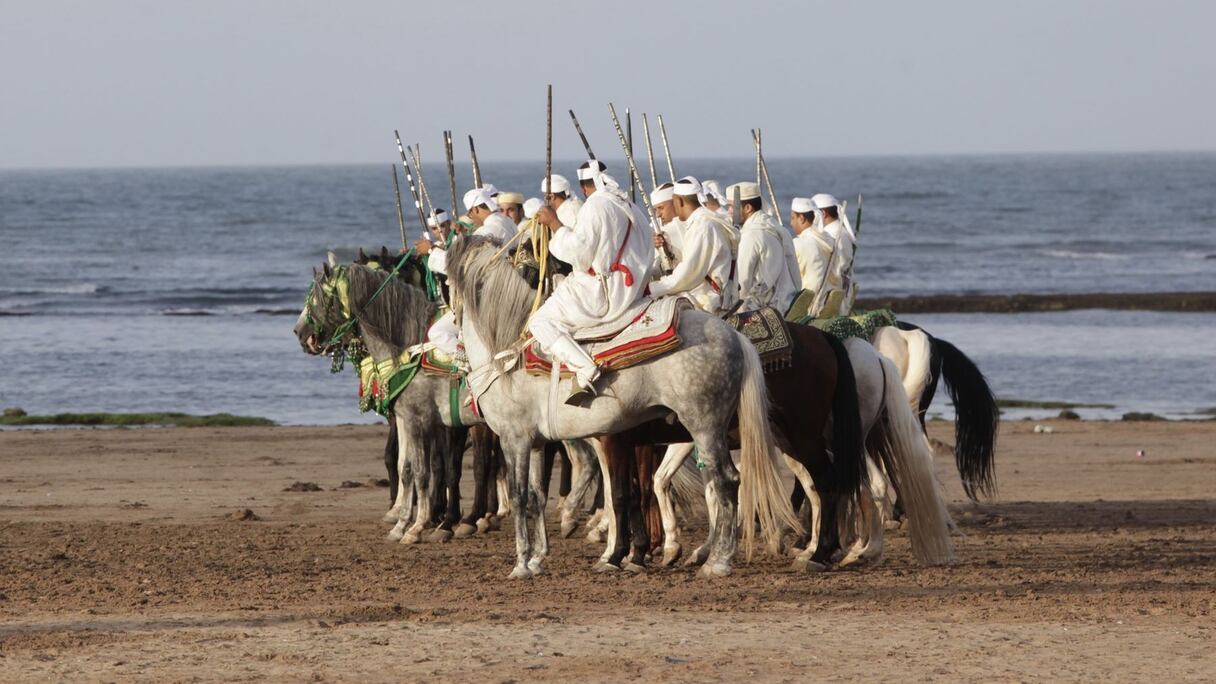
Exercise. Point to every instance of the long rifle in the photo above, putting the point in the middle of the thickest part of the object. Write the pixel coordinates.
(416, 155)
(476, 166)
(654, 179)
(409, 177)
(671, 169)
(586, 145)
(664, 257)
(453, 210)
(400, 211)
(759, 173)
(633, 186)
(772, 195)
(549, 142)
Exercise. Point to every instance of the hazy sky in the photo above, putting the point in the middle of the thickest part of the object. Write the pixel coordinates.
(155, 82)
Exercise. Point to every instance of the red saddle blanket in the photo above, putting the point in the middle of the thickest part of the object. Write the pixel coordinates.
(652, 333)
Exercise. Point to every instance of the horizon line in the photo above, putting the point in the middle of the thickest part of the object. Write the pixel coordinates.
(691, 158)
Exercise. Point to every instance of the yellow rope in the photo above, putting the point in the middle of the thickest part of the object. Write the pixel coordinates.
(540, 250)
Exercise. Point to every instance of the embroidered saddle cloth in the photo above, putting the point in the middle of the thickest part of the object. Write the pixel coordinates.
(767, 330)
(652, 331)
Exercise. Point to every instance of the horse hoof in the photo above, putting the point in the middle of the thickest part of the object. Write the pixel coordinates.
(483, 525)
(440, 536)
(394, 535)
(391, 516)
(698, 557)
(595, 536)
(495, 523)
(603, 566)
(671, 555)
(635, 568)
(410, 538)
(465, 530)
(807, 565)
(569, 527)
(535, 568)
(520, 572)
(714, 570)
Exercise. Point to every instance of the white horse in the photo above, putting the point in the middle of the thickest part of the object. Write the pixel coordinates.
(714, 374)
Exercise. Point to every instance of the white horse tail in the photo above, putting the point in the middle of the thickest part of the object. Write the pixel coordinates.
(688, 489)
(905, 452)
(920, 370)
(762, 495)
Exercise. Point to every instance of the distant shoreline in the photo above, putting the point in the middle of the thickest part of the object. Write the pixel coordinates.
(1177, 302)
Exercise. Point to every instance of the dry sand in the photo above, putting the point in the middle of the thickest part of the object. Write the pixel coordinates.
(119, 561)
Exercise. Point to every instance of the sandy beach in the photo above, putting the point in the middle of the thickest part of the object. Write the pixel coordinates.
(122, 559)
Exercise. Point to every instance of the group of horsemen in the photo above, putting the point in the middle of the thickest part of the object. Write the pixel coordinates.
(719, 256)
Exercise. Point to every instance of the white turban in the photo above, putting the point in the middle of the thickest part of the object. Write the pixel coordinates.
(661, 194)
(437, 218)
(802, 205)
(824, 200)
(746, 191)
(490, 189)
(478, 197)
(687, 187)
(531, 206)
(560, 184)
(509, 198)
(590, 168)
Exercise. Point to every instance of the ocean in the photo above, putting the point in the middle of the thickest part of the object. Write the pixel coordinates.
(176, 289)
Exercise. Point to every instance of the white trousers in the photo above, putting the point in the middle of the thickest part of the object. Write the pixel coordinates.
(445, 334)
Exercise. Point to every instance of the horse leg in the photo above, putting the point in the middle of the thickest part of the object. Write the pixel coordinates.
(803, 560)
(584, 475)
(536, 500)
(394, 480)
(504, 491)
(413, 450)
(673, 459)
(647, 464)
(453, 465)
(722, 490)
(620, 462)
(467, 526)
(867, 549)
(518, 456)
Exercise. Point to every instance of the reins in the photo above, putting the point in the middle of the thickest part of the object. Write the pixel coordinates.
(335, 339)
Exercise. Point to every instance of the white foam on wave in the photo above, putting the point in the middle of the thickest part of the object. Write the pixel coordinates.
(76, 288)
(1069, 254)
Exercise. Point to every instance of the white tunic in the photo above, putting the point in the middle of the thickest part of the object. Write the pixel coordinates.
(567, 213)
(768, 268)
(704, 271)
(813, 254)
(673, 231)
(842, 268)
(611, 249)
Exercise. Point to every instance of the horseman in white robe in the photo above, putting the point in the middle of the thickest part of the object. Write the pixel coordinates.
(814, 251)
(512, 206)
(671, 232)
(560, 199)
(483, 212)
(609, 249)
(767, 267)
(705, 271)
(832, 222)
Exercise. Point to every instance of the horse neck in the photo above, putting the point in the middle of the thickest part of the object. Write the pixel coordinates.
(378, 345)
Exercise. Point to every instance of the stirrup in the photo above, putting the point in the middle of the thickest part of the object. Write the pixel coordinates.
(583, 394)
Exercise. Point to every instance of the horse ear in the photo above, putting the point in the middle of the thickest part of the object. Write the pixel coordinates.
(383, 254)
(362, 258)
(332, 258)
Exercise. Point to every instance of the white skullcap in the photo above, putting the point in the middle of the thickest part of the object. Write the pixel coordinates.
(802, 205)
(824, 200)
(687, 187)
(438, 218)
(560, 184)
(712, 188)
(509, 198)
(661, 194)
(478, 197)
(531, 206)
(746, 190)
(590, 168)
(490, 189)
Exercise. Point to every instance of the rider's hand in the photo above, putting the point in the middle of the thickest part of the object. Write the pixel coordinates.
(659, 240)
(548, 218)
(421, 248)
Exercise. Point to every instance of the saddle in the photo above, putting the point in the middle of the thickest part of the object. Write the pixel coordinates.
(652, 331)
(769, 333)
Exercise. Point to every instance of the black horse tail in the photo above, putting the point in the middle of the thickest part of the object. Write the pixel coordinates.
(976, 419)
(848, 455)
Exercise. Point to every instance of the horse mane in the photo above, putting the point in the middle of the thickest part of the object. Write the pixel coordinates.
(400, 315)
(490, 290)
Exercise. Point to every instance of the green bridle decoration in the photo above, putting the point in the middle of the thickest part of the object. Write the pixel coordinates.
(336, 288)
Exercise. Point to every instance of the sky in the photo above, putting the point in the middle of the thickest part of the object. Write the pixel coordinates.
(242, 82)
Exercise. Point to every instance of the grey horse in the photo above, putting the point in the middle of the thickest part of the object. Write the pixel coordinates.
(391, 318)
(714, 374)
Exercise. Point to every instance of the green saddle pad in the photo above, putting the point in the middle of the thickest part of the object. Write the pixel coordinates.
(860, 324)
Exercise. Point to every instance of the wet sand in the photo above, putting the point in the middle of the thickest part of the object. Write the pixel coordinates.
(120, 560)
(1192, 302)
